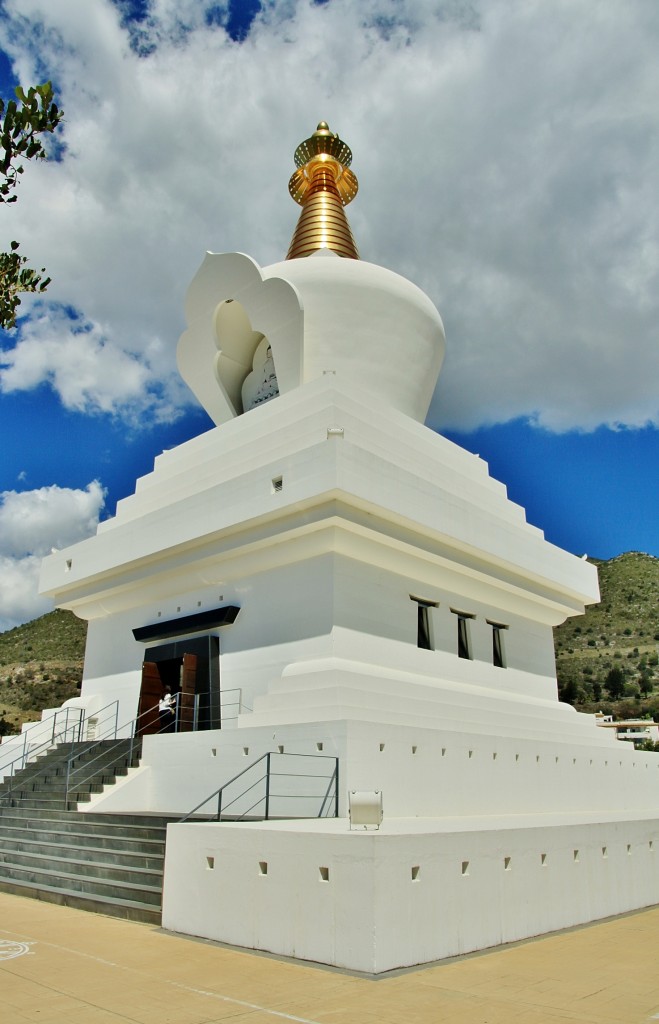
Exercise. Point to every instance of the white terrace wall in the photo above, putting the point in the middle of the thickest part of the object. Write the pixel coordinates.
(411, 893)
(422, 772)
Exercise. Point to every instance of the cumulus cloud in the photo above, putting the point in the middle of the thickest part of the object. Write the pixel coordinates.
(506, 151)
(19, 598)
(32, 523)
(90, 372)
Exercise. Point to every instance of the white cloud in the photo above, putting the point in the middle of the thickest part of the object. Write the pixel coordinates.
(506, 152)
(89, 372)
(19, 598)
(31, 524)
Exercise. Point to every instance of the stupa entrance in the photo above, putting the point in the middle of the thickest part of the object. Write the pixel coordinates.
(190, 670)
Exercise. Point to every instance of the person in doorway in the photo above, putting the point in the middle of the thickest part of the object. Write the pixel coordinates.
(166, 710)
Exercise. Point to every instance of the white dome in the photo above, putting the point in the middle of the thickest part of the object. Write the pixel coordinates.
(371, 328)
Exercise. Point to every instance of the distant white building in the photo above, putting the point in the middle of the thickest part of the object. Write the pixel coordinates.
(321, 574)
(637, 730)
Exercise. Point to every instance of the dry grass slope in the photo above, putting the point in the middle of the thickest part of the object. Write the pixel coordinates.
(622, 632)
(40, 667)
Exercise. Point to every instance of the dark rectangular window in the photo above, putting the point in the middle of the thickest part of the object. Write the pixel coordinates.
(464, 644)
(423, 624)
(423, 628)
(498, 653)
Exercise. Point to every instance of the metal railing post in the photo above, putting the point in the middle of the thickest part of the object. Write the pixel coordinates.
(336, 789)
(219, 806)
(267, 786)
(66, 787)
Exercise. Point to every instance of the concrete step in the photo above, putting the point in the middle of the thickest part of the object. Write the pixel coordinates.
(38, 803)
(103, 868)
(57, 760)
(57, 787)
(51, 850)
(156, 819)
(79, 774)
(129, 910)
(79, 840)
(82, 884)
(131, 853)
(103, 756)
(80, 824)
(104, 748)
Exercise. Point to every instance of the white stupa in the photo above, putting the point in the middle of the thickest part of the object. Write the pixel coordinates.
(354, 586)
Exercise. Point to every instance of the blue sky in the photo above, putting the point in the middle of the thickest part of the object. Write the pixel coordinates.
(508, 171)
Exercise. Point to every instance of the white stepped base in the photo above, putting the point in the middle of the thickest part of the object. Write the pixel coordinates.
(328, 689)
(416, 891)
(422, 771)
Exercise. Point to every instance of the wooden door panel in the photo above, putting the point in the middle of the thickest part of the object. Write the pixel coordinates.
(188, 687)
(151, 691)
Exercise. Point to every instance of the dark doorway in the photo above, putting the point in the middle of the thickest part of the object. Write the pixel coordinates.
(191, 670)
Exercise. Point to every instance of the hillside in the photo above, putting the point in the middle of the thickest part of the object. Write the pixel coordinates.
(40, 667)
(612, 652)
(41, 661)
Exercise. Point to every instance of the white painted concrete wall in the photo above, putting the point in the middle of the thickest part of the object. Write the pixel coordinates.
(322, 605)
(477, 769)
(411, 893)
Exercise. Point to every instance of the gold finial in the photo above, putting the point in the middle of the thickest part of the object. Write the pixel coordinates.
(322, 185)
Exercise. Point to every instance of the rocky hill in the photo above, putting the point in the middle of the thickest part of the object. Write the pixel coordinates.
(40, 667)
(611, 654)
(607, 659)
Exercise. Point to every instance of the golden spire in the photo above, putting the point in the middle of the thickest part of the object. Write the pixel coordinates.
(323, 185)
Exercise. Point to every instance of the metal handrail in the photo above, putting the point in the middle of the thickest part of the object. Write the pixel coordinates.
(207, 702)
(130, 728)
(333, 783)
(132, 725)
(32, 726)
(48, 744)
(62, 738)
(239, 703)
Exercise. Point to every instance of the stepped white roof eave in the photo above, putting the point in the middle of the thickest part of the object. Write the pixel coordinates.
(386, 481)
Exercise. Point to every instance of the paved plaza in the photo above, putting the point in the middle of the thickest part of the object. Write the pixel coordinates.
(65, 966)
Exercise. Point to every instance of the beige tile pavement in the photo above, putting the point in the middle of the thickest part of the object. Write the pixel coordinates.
(81, 968)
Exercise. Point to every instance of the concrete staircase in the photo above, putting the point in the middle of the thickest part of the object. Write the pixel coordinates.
(107, 863)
